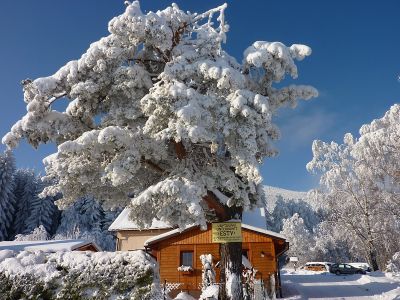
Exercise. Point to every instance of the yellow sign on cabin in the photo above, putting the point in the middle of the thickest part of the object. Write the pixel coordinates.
(227, 232)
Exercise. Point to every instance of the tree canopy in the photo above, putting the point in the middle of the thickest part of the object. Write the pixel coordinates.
(161, 117)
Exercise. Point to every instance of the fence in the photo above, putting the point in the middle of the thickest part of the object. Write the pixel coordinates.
(257, 290)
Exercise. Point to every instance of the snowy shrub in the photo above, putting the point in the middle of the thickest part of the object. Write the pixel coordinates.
(394, 264)
(77, 275)
(300, 239)
(38, 234)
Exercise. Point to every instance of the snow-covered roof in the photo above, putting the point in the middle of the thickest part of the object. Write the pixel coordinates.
(254, 218)
(46, 246)
(123, 222)
(177, 231)
(264, 231)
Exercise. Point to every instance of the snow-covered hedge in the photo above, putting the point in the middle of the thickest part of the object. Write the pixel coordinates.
(78, 275)
(394, 264)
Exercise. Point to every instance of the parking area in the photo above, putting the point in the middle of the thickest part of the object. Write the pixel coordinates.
(322, 285)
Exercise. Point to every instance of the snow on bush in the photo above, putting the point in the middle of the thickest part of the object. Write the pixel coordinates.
(38, 234)
(77, 275)
(394, 265)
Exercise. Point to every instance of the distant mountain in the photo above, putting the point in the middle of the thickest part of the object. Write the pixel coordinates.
(273, 194)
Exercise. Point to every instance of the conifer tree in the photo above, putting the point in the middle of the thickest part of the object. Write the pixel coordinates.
(25, 193)
(160, 117)
(42, 211)
(86, 219)
(7, 200)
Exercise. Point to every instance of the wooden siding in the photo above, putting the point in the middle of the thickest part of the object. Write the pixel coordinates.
(169, 262)
(263, 259)
(260, 249)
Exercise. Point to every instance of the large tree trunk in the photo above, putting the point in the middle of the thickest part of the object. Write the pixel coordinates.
(231, 271)
(231, 253)
(231, 263)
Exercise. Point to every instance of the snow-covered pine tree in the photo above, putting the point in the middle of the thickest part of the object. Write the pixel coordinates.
(72, 221)
(109, 217)
(93, 215)
(93, 212)
(42, 211)
(7, 200)
(183, 126)
(25, 192)
(108, 240)
(86, 219)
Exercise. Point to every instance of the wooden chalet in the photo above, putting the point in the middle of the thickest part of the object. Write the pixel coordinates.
(173, 248)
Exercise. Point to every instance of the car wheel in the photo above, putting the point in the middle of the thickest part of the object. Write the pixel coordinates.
(337, 272)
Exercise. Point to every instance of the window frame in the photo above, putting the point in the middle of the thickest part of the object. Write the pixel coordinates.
(181, 260)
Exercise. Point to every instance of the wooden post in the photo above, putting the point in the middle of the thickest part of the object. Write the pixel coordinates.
(165, 285)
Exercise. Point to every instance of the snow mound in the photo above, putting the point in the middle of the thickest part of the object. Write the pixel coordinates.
(391, 295)
(184, 296)
(211, 292)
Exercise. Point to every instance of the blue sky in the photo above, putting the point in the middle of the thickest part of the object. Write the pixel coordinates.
(355, 63)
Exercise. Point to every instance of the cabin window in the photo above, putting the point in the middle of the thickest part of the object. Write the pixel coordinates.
(187, 258)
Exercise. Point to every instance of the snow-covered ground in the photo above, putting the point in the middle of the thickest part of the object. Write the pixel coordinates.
(323, 285)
